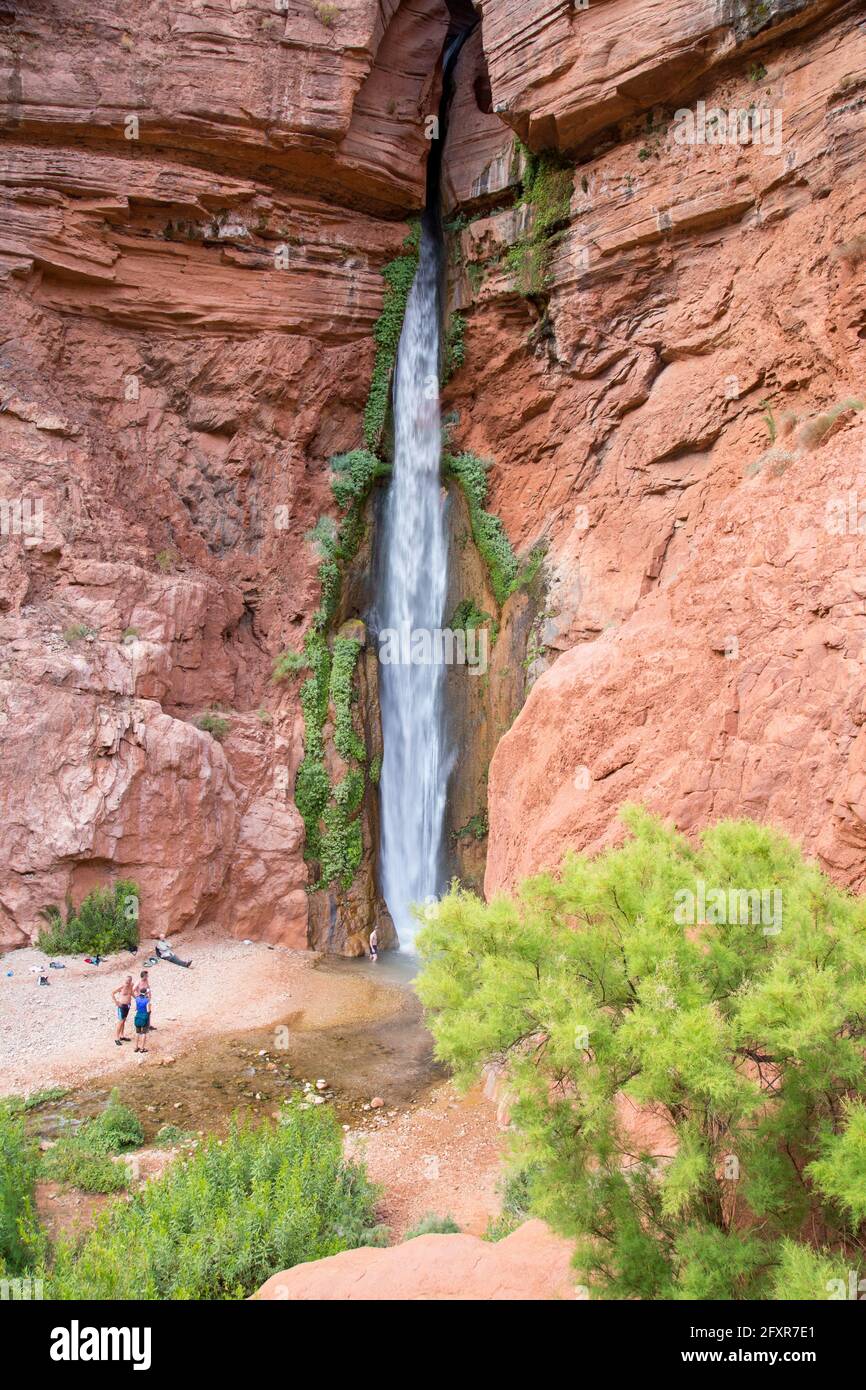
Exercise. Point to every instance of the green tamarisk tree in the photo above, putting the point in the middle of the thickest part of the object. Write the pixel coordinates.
(685, 1071)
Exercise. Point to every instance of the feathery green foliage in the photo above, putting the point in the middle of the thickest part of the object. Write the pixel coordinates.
(106, 921)
(219, 1222)
(746, 1045)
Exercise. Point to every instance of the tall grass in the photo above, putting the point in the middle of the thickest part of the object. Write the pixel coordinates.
(21, 1244)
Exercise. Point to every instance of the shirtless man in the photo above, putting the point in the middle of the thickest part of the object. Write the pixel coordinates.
(122, 997)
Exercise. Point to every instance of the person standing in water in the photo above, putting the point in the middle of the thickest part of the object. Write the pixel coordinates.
(374, 944)
(122, 997)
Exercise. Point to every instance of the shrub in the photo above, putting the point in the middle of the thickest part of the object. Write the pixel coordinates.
(169, 1135)
(326, 14)
(468, 615)
(816, 430)
(219, 1222)
(852, 252)
(476, 828)
(287, 665)
(21, 1242)
(165, 560)
(354, 475)
(77, 1167)
(433, 1225)
(106, 921)
(116, 1129)
(515, 1207)
(324, 536)
(84, 1159)
(76, 631)
(742, 1043)
(454, 347)
(213, 723)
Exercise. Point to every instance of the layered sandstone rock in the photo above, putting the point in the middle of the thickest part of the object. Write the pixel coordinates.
(699, 297)
(188, 320)
(562, 72)
(531, 1264)
(324, 98)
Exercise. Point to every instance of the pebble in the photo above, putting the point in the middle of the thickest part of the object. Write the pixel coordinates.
(376, 1103)
(321, 1084)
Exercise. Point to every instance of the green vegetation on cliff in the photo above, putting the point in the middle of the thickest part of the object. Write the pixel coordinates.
(398, 275)
(547, 187)
(331, 814)
(488, 532)
(735, 1025)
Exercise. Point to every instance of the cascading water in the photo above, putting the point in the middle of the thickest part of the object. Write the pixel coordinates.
(415, 764)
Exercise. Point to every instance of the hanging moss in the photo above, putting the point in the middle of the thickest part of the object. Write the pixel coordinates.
(343, 661)
(398, 275)
(454, 348)
(492, 543)
(547, 189)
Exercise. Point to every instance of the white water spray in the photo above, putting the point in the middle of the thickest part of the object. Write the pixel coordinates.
(415, 575)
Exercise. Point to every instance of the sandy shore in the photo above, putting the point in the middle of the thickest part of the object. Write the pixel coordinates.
(63, 1033)
(431, 1150)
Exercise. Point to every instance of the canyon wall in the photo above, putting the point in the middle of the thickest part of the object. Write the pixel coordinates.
(198, 200)
(675, 406)
(662, 358)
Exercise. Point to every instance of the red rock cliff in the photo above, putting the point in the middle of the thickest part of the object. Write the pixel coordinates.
(197, 202)
(677, 412)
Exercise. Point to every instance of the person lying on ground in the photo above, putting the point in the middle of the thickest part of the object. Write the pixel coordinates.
(164, 951)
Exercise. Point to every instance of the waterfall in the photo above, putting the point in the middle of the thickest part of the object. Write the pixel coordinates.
(411, 601)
